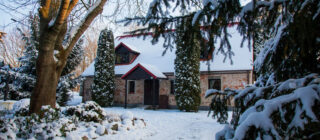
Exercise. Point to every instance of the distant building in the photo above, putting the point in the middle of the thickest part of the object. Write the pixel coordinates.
(144, 68)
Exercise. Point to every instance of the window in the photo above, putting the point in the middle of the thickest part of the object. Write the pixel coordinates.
(122, 58)
(171, 86)
(131, 87)
(214, 84)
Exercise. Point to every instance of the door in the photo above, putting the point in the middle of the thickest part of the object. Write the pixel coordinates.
(149, 94)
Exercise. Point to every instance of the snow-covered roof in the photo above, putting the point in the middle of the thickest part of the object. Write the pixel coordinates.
(130, 47)
(152, 55)
(150, 69)
(154, 70)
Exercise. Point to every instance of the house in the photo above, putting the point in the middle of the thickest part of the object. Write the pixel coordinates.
(141, 67)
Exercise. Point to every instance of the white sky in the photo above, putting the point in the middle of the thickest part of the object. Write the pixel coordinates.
(6, 23)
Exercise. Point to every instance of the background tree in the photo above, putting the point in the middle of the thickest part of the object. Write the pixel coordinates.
(12, 47)
(103, 81)
(187, 66)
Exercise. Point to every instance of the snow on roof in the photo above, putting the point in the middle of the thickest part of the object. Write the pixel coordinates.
(152, 54)
(132, 48)
(154, 70)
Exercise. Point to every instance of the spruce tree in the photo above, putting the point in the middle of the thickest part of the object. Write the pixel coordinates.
(287, 34)
(103, 82)
(187, 67)
(68, 81)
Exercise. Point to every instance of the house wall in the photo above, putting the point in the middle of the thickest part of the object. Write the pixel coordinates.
(136, 98)
(86, 95)
(234, 80)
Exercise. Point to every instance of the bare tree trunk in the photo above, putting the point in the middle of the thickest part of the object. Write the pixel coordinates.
(47, 76)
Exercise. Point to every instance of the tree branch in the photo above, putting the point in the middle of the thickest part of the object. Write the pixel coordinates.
(44, 9)
(62, 12)
(93, 12)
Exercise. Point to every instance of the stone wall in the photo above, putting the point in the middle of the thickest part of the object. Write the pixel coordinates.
(136, 98)
(228, 80)
(86, 95)
(234, 80)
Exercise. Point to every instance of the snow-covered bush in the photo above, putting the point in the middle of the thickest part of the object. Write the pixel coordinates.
(89, 111)
(289, 109)
(87, 120)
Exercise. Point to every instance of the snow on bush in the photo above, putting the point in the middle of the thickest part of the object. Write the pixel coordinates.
(289, 109)
(87, 120)
(89, 111)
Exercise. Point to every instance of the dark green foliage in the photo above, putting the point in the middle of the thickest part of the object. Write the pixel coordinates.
(290, 105)
(74, 58)
(187, 67)
(219, 108)
(288, 37)
(297, 52)
(90, 111)
(103, 82)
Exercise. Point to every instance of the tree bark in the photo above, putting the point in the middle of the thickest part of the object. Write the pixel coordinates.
(44, 92)
(49, 68)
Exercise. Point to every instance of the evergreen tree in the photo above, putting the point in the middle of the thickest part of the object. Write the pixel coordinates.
(103, 82)
(67, 81)
(187, 67)
(276, 107)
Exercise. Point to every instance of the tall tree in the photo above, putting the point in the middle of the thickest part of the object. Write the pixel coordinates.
(53, 53)
(277, 107)
(103, 82)
(187, 66)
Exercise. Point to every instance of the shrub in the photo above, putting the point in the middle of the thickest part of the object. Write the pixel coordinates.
(89, 111)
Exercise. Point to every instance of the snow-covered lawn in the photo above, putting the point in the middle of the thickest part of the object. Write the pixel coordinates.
(170, 125)
(160, 124)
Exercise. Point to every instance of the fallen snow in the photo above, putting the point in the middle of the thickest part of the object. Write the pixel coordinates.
(75, 100)
(169, 125)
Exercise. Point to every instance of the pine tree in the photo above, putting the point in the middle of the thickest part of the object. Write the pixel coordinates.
(288, 34)
(67, 81)
(103, 82)
(187, 67)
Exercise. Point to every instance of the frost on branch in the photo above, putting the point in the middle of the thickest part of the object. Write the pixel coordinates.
(289, 109)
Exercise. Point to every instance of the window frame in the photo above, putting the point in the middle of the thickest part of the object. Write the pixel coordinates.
(172, 82)
(215, 79)
(120, 58)
(130, 88)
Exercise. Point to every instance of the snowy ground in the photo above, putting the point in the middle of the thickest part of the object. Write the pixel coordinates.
(160, 125)
(171, 125)
(164, 124)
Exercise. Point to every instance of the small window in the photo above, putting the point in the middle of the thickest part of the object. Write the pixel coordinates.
(131, 87)
(214, 84)
(171, 86)
(122, 58)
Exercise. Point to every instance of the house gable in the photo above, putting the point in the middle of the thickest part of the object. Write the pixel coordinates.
(143, 71)
(125, 55)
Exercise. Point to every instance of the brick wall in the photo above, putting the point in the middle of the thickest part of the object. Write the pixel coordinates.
(86, 96)
(228, 80)
(136, 98)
